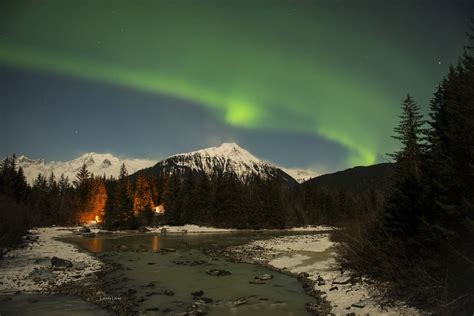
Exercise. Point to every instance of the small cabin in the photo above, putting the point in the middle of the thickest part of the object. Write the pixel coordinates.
(159, 210)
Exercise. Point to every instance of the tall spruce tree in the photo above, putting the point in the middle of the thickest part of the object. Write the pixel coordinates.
(451, 194)
(403, 212)
(119, 204)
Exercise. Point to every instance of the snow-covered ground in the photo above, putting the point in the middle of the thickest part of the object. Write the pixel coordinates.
(189, 228)
(29, 269)
(315, 254)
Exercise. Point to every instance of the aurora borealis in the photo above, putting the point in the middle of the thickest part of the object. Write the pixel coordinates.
(334, 70)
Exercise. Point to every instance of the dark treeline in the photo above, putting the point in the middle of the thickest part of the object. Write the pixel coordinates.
(223, 200)
(48, 201)
(422, 243)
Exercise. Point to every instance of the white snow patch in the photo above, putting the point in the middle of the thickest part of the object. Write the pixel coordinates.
(189, 228)
(300, 175)
(311, 228)
(315, 254)
(20, 267)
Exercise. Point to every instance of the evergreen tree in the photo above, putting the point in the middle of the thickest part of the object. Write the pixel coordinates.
(171, 190)
(119, 204)
(143, 197)
(403, 209)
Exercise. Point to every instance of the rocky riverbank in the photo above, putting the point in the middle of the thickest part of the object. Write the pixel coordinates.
(311, 259)
(43, 264)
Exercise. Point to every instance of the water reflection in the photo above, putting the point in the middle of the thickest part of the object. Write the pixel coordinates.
(96, 244)
(155, 244)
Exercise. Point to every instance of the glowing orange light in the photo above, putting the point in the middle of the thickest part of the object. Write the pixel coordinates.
(155, 244)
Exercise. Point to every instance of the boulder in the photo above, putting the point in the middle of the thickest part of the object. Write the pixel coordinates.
(302, 275)
(151, 284)
(88, 235)
(168, 250)
(206, 300)
(240, 301)
(143, 229)
(60, 263)
(320, 281)
(218, 272)
(257, 281)
(168, 292)
(360, 304)
(84, 229)
(198, 293)
(317, 309)
(342, 280)
(264, 277)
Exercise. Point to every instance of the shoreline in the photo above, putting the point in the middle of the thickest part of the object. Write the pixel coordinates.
(28, 269)
(311, 259)
(308, 257)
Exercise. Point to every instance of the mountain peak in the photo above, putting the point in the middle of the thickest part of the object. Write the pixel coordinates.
(227, 158)
(97, 163)
(230, 146)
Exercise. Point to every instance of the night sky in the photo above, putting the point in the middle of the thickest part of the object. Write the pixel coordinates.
(310, 84)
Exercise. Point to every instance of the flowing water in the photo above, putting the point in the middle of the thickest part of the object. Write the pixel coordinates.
(149, 271)
(51, 305)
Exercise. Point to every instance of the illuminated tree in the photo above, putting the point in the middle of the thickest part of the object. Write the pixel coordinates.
(143, 197)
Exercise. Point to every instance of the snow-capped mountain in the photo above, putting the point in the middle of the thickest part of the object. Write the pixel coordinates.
(226, 158)
(300, 175)
(98, 164)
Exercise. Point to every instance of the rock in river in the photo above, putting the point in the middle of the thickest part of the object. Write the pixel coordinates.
(143, 229)
(257, 281)
(168, 250)
(264, 277)
(168, 292)
(240, 301)
(218, 272)
(198, 293)
(84, 229)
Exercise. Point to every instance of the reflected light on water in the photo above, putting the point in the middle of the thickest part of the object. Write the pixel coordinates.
(155, 244)
(96, 245)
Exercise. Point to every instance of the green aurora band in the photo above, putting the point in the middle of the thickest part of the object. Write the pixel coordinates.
(252, 66)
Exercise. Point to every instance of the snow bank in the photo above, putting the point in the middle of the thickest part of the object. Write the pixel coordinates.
(188, 228)
(315, 254)
(311, 228)
(29, 269)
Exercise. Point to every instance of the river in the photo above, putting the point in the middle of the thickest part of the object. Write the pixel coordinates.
(162, 282)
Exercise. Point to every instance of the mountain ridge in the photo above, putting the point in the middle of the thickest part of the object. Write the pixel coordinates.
(228, 155)
(227, 158)
(97, 163)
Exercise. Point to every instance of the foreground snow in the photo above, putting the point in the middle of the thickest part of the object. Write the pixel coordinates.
(29, 269)
(190, 228)
(315, 254)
